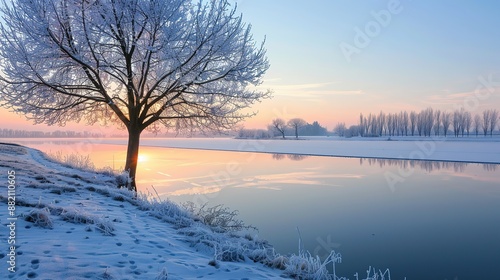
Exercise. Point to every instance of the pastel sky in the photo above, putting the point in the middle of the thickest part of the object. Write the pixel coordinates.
(332, 60)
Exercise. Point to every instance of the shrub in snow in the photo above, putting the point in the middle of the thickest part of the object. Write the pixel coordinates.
(163, 275)
(123, 180)
(165, 210)
(263, 255)
(372, 274)
(73, 160)
(40, 217)
(80, 217)
(229, 252)
(218, 217)
(278, 262)
(105, 276)
(305, 266)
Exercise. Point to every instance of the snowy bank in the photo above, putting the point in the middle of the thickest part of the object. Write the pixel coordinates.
(74, 224)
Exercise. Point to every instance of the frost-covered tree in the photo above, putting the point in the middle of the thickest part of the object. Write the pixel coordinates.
(413, 122)
(477, 124)
(295, 124)
(340, 129)
(362, 125)
(446, 121)
(493, 120)
(467, 119)
(139, 63)
(437, 117)
(486, 121)
(279, 125)
(381, 123)
(457, 122)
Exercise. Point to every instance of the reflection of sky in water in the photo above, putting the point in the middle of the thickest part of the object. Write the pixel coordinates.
(424, 220)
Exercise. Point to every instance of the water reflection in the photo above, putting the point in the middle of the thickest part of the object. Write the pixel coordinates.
(338, 202)
(293, 157)
(428, 166)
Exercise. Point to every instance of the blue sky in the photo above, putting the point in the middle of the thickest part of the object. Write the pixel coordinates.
(428, 53)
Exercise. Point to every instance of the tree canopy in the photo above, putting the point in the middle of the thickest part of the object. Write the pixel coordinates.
(139, 63)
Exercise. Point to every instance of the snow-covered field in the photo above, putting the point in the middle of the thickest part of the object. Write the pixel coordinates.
(73, 224)
(476, 150)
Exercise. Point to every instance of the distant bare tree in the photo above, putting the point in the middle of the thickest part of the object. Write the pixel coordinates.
(437, 126)
(446, 117)
(390, 121)
(295, 124)
(405, 122)
(457, 122)
(486, 121)
(279, 125)
(413, 122)
(477, 124)
(352, 131)
(493, 120)
(421, 123)
(362, 125)
(340, 129)
(429, 121)
(381, 123)
(467, 121)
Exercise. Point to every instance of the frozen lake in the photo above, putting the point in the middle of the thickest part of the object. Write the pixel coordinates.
(423, 220)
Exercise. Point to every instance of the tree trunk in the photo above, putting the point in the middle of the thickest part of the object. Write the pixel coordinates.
(296, 132)
(132, 155)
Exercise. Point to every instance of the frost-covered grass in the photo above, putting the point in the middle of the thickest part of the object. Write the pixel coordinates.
(218, 230)
(40, 217)
(78, 161)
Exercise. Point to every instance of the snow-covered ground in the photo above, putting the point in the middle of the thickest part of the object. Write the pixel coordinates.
(73, 224)
(476, 150)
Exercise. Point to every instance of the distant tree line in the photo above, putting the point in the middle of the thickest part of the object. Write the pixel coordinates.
(280, 128)
(12, 133)
(426, 123)
(296, 127)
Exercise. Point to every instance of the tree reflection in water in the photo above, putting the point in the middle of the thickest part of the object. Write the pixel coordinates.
(426, 165)
(293, 157)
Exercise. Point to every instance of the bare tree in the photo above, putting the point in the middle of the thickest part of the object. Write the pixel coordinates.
(467, 120)
(340, 129)
(362, 125)
(493, 120)
(458, 122)
(279, 125)
(477, 124)
(296, 123)
(405, 122)
(389, 125)
(437, 117)
(486, 121)
(425, 122)
(446, 121)
(381, 123)
(413, 122)
(137, 63)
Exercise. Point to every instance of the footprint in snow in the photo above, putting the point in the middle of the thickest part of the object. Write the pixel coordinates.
(35, 264)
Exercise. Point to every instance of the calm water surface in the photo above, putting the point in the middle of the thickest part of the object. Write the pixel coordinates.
(423, 220)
